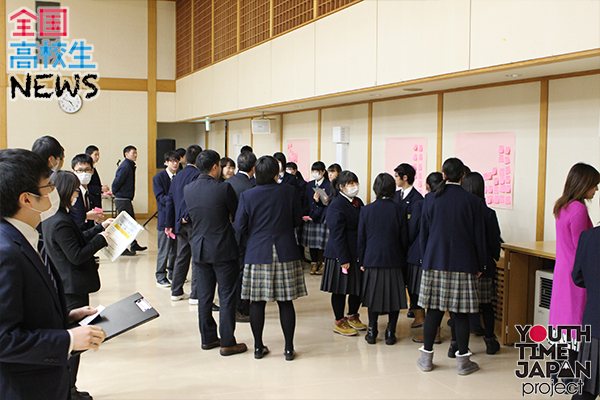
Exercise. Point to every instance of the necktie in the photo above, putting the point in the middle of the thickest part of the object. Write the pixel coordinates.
(401, 194)
(355, 203)
(46, 260)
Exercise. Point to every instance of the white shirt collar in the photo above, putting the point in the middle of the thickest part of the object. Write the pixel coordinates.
(171, 175)
(82, 190)
(245, 173)
(348, 198)
(405, 192)
(32, 236)
(452, 183)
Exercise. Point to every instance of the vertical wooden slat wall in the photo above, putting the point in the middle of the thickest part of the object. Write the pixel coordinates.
(208, 31)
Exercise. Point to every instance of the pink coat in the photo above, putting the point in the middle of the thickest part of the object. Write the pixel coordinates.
(568, 300)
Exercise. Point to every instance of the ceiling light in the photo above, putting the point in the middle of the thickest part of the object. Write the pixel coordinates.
(412, 89)
(375, 95)
(513, 75)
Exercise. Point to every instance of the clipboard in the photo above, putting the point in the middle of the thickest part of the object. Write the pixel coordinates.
(323, 195)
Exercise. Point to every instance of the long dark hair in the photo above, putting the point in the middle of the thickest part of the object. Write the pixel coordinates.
(433, 180)
(66, 184)
(581, 178)
(454, 169)
(473, 183)
(344, 178)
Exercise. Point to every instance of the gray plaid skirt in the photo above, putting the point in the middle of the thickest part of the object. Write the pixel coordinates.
(314, 235)
(449, 291)
(487, 289)
(273, 282)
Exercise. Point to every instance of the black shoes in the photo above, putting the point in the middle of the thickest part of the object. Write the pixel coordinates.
(371, 336)
(237, 349)
(211, 345)
(492, 345)
(239, 317)
(137, 247)
(128, 252)
(164, 282)
(215, 307)
(77, 395)
(390, 337)
(260, 352)
(289, 355)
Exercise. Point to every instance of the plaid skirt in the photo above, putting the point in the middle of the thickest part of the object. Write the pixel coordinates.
(590, 351)
(487, 289)
(449, 291)
(314, 235)
(273, 282)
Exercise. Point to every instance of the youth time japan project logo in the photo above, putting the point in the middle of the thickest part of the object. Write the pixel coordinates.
(547, 358)
(39, 49)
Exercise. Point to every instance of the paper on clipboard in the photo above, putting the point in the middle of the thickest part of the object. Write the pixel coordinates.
(323, 195)
(123, 232)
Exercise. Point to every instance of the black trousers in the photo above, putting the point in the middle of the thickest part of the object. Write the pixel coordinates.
(75, 301)
(225, 274)
(125, 205)
(167, 254)
(182, 262)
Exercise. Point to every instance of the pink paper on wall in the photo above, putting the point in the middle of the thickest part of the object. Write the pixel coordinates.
(298, 151)
(407, 150)
(490, 153)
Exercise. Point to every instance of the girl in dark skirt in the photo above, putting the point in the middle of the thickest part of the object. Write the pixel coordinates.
(382, 249)
(314, 231)
(342, 275)
(473, 183)
(453, 244)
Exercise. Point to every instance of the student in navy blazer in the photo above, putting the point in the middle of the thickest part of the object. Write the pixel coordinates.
(284, 176)
(167, 246)
(382, 248)
(453, 245)
(409, 197)
(177, 222)
(268, 214)
(34, 341)
(342, 275)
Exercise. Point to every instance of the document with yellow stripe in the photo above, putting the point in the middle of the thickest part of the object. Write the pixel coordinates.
(123, 232)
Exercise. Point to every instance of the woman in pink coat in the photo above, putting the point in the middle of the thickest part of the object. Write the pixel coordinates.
(571, 214)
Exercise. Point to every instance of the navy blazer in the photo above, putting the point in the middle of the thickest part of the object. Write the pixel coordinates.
(383, 235)
(176, 207)
(79, 214)
(161, 183)
(342, 220)
(268, 214)
(123, 186)
(587, 275)
(290, 179)
(453, 231)
(493, 241)
(95, 190)
(34, 342)
(409, 201)
(211, 204)
(72, 252)
(412, 206)
(316, 210)
(240, 182)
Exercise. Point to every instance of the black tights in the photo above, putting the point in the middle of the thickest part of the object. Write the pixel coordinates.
(316, 255)
(460, 329)
(287, 318)
(392, 320)
(489, 321)
(338, 302)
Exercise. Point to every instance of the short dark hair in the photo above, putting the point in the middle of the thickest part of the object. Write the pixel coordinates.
(267, 168)
(91, 149)
(473, 183)
(127, 149)
(172, 155)
(433, 180)
(225, 161)
(246, 149)
(47, 146)
(344, 178)
(279, 156)
(66, 183)
(181, 152)
(191, 153)
(207, 160)
(454, 169)
(292, 165)
(408, 170)
(318, 166)
(335, 167)
(246, 161)
(467, 170)
(20, 171)
(384, 186)
(82, 159)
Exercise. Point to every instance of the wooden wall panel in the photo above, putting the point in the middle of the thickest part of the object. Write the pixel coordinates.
(288, 14)
(255, 17)
(202, 33)
(225, 28)
(329, 6)
(183, 20)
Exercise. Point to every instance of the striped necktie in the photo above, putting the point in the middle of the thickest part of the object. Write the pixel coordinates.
(46, 261)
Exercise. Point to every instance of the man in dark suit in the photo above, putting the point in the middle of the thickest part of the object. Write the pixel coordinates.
(177, 222)
(212, 206)
(82, 212)
(34, 341)
(408, 196)
(167, 245)
(241, 182)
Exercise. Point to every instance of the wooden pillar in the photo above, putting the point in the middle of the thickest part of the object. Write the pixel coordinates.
(152, 77)
(440, 131)
(369, 151)
(3, 104)
(319, 135)
(543, 155)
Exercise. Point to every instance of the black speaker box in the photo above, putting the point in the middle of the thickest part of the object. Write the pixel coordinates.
(162, 146)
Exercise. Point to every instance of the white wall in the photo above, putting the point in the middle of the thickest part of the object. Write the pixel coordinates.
(165, 30)
(303, 125)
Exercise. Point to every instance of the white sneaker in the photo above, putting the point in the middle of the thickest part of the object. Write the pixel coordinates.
(194, 302)
(180, 297)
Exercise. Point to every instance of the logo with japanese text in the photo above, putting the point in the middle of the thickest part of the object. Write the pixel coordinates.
(39, 50)
(546, 360)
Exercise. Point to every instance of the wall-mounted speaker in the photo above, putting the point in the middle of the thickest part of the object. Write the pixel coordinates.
(261, 126)
(162, 146)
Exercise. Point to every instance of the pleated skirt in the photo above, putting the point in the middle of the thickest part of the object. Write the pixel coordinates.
(449, 291)
(487, 289)
(591, 352)
(413, 278)
(383, 290)
(334, 281)
(314, 235)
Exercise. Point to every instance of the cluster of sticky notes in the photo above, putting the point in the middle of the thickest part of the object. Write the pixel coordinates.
(498, 187)
(418, 158)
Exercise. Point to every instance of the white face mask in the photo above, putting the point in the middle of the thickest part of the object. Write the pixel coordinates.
(84, 177)
(290, 171)
(54, 205)
(73, 201)
(55, 168)
(316, 176)
(352, 191)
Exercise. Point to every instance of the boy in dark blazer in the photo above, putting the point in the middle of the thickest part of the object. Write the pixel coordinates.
(167, 246)
(212, 206)
(82, 212)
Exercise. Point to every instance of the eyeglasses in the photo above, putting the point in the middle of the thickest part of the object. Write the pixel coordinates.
(89, 170)
(50, 185)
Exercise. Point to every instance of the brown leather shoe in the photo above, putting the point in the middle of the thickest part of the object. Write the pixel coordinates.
(419, 318)
(238, 348)
(421, 339)
(212, 345)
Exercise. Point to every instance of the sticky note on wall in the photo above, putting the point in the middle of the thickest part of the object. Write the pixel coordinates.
(507, 150)
(508, 201)
(506, 159)
(501, 150)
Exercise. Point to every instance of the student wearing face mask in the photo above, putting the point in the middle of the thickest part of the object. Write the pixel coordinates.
(284, 176)
(83, 213)
(72, 252)
(96, 188)
(342, 275)
(314, 230)
(51, 151)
